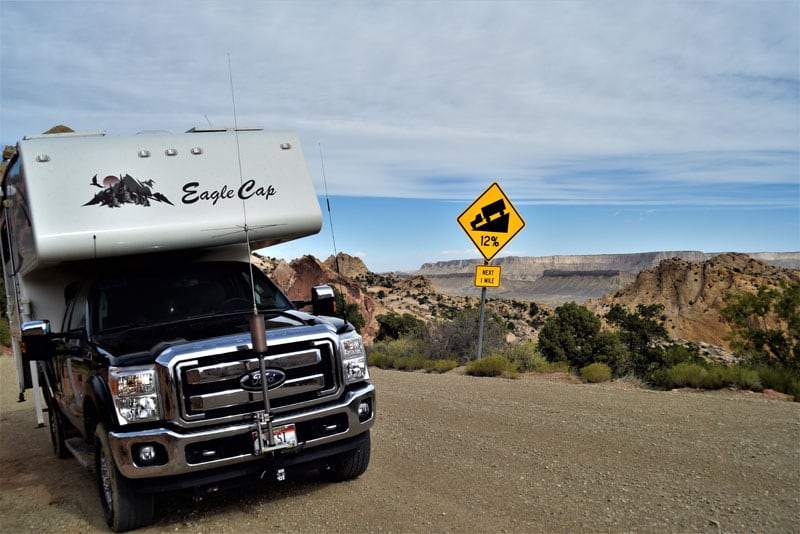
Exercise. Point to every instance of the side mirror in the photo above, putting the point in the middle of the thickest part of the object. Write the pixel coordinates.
(37, 341)
(323, 300)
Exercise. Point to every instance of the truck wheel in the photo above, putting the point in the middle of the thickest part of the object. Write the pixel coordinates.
(124, 508)
(351, 464)
(57, 436)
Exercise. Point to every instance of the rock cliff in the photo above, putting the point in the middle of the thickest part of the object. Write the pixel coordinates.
(692, 293)
(555, 280)
(297, 277)
(346, 265)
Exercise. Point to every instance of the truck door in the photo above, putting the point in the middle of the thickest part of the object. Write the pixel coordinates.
(72, 361)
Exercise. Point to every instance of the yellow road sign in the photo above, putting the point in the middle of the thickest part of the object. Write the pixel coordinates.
(487, 276)
(491, 221)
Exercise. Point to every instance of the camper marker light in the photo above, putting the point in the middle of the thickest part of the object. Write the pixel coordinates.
(42, 158)
(196, 151)
(286, 146)
(134, 393)
(171, 152)
(144, 153)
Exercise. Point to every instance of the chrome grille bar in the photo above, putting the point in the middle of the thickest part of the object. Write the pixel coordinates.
(234, 397)
(228, 370)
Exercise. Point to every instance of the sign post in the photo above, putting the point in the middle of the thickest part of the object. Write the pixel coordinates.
(491, 221)
(480, 323)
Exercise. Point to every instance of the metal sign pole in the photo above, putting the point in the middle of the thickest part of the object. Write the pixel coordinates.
(480, 324)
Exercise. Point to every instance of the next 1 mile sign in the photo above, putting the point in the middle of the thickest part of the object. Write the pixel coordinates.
(487, 276)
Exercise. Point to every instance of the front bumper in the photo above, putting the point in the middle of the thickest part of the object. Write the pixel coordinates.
(180, 454)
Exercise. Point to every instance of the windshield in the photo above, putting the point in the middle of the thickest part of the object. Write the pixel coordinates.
(175, 294)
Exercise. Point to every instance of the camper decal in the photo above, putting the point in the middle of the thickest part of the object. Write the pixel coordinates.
(119, 190)
(248, 189)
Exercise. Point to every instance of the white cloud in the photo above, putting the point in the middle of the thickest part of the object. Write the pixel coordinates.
(566, 102)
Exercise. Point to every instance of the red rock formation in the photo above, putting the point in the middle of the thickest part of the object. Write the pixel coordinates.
(298, 277)
(693, 293)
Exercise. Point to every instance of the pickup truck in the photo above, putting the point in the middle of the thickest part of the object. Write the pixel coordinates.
(167, 361)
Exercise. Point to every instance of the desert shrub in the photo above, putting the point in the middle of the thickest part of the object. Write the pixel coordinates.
(403, 354)
(706, 376)
(539, 364)
(633, 380)
(751, 334)
(522, 354)
(596, 372)
(403, 363)
(494, 365)
(780, 379)
(569, 335)
(660, 379)
(748, 379)
(381, 360)
(396, 348)
(397, 354)
(393, 325)
(411, 363)
(348, 310)
(440, 366)
(687, 375)
(552, 367)
(609, 349)
(721, 376)
(675, 354)
(457, 338)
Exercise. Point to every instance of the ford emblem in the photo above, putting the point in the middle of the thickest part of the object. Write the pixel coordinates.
(252, 381)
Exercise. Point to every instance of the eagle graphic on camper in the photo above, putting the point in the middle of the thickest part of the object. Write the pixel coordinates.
(119, 190)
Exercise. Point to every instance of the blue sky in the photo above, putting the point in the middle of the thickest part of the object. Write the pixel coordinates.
(616, 126)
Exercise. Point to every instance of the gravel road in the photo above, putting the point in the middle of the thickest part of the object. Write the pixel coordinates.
(454, 453)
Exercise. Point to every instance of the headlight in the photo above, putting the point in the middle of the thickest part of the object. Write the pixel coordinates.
(354, 360)
(135, 394)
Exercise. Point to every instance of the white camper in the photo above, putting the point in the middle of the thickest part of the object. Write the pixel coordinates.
(164, 355)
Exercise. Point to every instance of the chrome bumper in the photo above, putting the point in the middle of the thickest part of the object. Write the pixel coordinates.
(172, 446)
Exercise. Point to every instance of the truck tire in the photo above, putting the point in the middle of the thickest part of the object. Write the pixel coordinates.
(57, 435)
(124, 508)
(351, 464)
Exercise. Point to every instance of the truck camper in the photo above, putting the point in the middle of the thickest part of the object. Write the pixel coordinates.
(165, 359)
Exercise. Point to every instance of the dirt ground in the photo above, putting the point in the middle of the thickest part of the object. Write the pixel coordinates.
(453, 453)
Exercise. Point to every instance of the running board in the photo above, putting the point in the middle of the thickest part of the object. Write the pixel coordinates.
(82, 452)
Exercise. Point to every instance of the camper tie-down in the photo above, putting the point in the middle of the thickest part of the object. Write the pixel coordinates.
(166, 360)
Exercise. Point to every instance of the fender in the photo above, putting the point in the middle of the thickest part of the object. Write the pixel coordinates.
(97, 404)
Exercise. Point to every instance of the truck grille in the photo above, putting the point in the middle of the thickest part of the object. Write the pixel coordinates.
(212, 388)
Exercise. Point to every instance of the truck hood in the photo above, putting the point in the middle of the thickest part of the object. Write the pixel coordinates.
(143, 344)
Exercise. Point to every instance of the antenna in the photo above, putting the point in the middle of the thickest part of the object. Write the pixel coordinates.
(258, 331)
(330, 221)
(241, 182)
